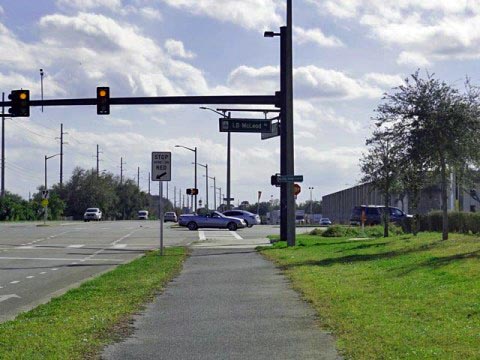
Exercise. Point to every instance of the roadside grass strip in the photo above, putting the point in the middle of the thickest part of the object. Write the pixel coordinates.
(78, 324)
(402, 297)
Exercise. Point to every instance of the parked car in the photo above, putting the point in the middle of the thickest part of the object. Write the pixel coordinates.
(213, 219)
(325, 222)
(142, 215)
(92, 214)
(250, 218)
(170, 216)
(374, 215)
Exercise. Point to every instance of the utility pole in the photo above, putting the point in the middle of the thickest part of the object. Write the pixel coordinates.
(138, 177)
(228, 166)
(98, 161)
(121, 170)
(167, 190)
(61, 154)
(3, 147)
(149, 178)
(174, 197)
(206, 183)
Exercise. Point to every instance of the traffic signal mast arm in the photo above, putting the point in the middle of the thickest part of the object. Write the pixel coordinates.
(162, 100)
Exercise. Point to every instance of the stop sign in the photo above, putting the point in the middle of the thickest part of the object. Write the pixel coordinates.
(297, 189)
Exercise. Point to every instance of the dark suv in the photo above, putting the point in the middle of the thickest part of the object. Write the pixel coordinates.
(374, 215)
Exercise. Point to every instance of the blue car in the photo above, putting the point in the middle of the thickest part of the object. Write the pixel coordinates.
(211, 220)
(250, 218)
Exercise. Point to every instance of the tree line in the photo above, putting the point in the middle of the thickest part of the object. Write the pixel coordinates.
(116, 199)
(425, 131)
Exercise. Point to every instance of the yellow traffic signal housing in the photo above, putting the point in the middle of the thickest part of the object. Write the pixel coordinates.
(20, 103)
(103, 100)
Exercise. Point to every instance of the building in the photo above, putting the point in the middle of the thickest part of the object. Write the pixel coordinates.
(338, 206)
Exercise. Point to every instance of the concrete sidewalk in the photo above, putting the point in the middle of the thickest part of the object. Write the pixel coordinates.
(228, 303)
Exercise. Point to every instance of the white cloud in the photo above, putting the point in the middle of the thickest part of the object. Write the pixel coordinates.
(177, 49)
(412, 59)
(90, 4)
(316, 36)
(426, 31)
(150, 13)
(2, 11)
(253, 14)
(310, 82)
(385, 81)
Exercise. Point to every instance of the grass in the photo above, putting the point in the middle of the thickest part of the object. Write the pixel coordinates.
(79, 323)
(403, 297)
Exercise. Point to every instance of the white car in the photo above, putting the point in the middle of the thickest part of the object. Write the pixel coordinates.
(92, 214)
(143, 215)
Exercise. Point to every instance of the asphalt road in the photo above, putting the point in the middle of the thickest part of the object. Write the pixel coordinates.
(38, 263)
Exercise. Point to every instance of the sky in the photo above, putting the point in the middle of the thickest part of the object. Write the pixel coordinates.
(347, 54)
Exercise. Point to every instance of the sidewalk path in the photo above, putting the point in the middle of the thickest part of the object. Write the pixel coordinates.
(228, 303)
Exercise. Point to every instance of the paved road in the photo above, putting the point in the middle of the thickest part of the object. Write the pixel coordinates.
(37, 263)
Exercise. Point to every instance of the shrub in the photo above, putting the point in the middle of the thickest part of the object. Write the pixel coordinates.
(460, 222)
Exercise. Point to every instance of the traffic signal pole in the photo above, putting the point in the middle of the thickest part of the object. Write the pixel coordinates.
(2, 191)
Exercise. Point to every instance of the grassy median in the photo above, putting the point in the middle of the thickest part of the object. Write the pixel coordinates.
(402, 297)
(79, 323)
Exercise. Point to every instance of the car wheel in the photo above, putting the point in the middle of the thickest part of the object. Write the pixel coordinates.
(232, 226)
(192, 226)
(85, 220)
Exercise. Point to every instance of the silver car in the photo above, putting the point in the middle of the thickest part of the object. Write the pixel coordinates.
(211, 220)
(92, 214)
(250, 218)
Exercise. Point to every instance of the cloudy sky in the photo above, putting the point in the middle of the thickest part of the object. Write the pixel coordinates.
(347, 53)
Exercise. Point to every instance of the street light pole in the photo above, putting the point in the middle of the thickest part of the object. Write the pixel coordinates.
(206, 183)
(311, 203)
(195, 151)
(45, 216)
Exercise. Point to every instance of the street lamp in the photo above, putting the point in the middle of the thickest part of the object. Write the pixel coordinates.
(311, 203)
(195, 151)
(45, 216)
(206, 183)
(224, 114)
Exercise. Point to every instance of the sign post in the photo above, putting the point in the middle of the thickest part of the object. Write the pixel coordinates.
(161, 171)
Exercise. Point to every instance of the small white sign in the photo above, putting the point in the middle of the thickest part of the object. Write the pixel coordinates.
(45, 194)
(161, 166)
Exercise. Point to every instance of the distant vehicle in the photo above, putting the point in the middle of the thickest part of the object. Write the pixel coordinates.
(142, 215)
(325, 222)
(92, 214)
(374, 215)
(211, 220)
(170, 216)
(250, 218)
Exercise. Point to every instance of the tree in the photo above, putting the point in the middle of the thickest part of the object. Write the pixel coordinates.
(380, 167)
(436, 123)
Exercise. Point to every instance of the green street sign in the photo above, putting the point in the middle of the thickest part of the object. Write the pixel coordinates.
(245, 125)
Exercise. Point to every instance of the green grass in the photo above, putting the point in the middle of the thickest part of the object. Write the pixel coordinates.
(79, 323)
(403, 297)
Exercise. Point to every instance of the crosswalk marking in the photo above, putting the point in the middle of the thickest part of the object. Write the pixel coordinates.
(76, 246)
(120, 246)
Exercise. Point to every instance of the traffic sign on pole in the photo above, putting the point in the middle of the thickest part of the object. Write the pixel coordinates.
(161, 166)
(274, 133)
(289, 178)
(245, 125)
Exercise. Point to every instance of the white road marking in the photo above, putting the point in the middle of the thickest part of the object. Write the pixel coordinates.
(52, 259)
(54, 269)
(201, 235)
(120, 246)
(43, 272)
(75, 246)
(14, 282)
(234, 233)
(25, 247)
(10, 296)
(30, 277)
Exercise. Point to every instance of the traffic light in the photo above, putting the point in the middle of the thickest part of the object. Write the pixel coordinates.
(189, 191)
(103, 100)
(20, 103)
(274, 180)
(192, 191)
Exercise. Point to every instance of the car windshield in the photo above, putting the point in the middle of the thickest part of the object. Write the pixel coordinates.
(92, 210)
(142, 213)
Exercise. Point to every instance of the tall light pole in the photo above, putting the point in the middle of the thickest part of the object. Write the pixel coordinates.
(2, 191)
(45, 216)
(206, 183)
(195, 151)
(311, 203)
(214, 191)
(224, 114)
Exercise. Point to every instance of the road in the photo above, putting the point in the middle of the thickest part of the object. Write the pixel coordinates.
(38, 263)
